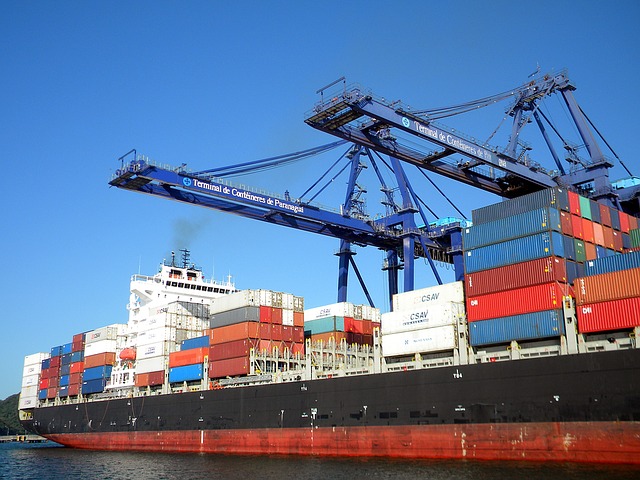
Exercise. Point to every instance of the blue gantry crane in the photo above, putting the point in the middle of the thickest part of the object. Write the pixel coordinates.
(370, 127)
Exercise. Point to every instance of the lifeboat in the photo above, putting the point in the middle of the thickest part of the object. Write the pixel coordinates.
(128, 354)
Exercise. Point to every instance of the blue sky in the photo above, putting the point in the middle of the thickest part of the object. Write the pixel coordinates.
(217, 83)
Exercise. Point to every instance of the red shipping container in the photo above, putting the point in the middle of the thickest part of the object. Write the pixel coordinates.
(598, 234)
(587, 230)
(608, 237)
(276, 316)
(607, 286)
(276, 333)
(367, 327)
(547, 296)
(287, 333)
(237, 348)
(75, 378)
(605, 215)
(77, 346)
(576, 225)
(298, 334)
(78, 338)
(54, 372)
(54, 362)
(74, 389)
(298, 319)
(565, 223)
(590, 251)
(107, 358)
(265, 330)
(613, 315)
(618, 244)
(574, 203)
(238, 331)
(624, 222)
(76, 367)
(229, 367)
(44, 383)
(45, 373)
(518, 275)
(266, 314)
(633, 223)
(149, 379)
(52, 392)
(192, 356)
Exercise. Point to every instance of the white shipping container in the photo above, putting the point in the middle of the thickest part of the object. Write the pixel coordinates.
(426, 316)
(26, 402)
(152, 364)
(370, 313)
(158, 349)
(110, 332)
(102, 346)
(419, 341)
(35, 358)
(29, 391)
(342, 309)
(31, 381)
(287, 301)
(448, 292)
(31, 369)
(157, 335)
(287, 317)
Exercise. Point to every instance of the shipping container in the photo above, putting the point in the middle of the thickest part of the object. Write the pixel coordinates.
(239, 331)
(445, 293)
(196, 342)
(46, 363)
(587, 230)
(37, 359)
(576, 226)
(585, 207)
(32, 369)
(514, 251)
(65, 369)
(98, 347)
(530, 326)
(229, 368)
(31, 381)
(565, 221)
(329, 338)
(534, 272)
(56, 351)
(77, 356)
(634, 223)
(635, 237)
(605, 215)
(598, 234)
(427, 316)
(63, 391)
(574, 203)
(419, 341)
(574, 270)
(556, 198)
(287, 318)
(343, 309)
(547, 296)
(252, 298)
(595, 211)
(581, 255)
(110, 332)
(93, 386)
(608, 316)
(64, 381)
(75, 378)
(151, 364)
(608, 286)
(615, 219)
(612, 263)
(107, 358)
(78, 338)
(323, 325)
(97, 372)
(186, 373)
(238, 315)
(155, 350)
(188, 357)
(27, 402)
(618, 245)
(150, 379)
(509, 228)
(74, 389)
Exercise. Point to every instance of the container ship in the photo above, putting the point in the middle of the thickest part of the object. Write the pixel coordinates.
(533, 356)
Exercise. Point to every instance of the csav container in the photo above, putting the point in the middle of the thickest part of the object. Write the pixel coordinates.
(428, 316)
(445, 293)
(529, 326)
(419, 341)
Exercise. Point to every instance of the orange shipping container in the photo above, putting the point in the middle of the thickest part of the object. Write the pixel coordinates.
(608, 237)
(150, 379)
(565, 222)
(598, 234)
(298, 319)
(618, 244)
(576, 225)
(229, 367)
(265, 314)
(605, 215)
(192, 356)
(590, 251)
(607, 286)
(624, 222)
(74, 389)
(239, 331)
(276, 315)
(76, 367)
(107, 358)
(587, 230)
(574, 203)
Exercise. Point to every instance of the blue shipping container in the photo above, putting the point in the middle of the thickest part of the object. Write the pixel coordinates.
(186, 373)
(64, 380)
(324, 325)
(556, 198)
(612, 263)
(522, 225)
(530, 326)
(77, 357)
(595, 212)
(94, 373)
(66, 348)
(42, 394)
(65, 359)
(615, 219)
(65, 369)
(514, 251)
(63, 391)
(56, 351)
(93, 386)
(197, 342)
(46, 363)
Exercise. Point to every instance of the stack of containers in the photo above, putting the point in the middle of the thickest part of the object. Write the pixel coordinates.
(161, 334)
(77, 365)
(608, 296)
(522, 256)
(100, 350)
(31, 379)
(341, 321)
(263, 320)
(423, 321)
(187, 364)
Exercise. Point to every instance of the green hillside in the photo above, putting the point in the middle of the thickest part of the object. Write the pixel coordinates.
(9, 423)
